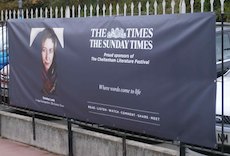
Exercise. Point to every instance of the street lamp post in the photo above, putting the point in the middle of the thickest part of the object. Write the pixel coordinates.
(67, 10)
(20, 8)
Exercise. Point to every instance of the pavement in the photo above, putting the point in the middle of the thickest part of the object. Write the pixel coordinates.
(12, 148)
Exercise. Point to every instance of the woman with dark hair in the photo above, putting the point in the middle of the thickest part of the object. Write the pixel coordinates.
(48, 53)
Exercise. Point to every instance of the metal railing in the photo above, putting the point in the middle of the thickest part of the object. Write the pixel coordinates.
(149, 7)
(98, 10)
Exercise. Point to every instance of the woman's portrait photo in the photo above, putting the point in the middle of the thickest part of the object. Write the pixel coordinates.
(47, 44)
(48, 55)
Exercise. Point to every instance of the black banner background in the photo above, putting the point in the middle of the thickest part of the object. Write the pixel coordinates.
(149, 74)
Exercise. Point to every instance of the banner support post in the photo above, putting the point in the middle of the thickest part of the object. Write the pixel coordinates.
(33, 126)
(222, 77)
(70, 136)
(0, 126)
(182, 149)
(124, 145)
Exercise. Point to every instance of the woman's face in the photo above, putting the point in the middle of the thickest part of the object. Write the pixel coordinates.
(47, 53)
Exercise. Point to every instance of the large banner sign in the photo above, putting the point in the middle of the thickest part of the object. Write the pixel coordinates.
(148, 74)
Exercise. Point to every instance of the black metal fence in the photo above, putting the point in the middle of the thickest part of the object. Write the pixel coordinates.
(222, 43)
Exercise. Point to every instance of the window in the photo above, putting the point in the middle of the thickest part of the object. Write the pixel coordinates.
(226, 47)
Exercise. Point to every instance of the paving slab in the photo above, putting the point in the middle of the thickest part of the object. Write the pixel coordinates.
(12, 148)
